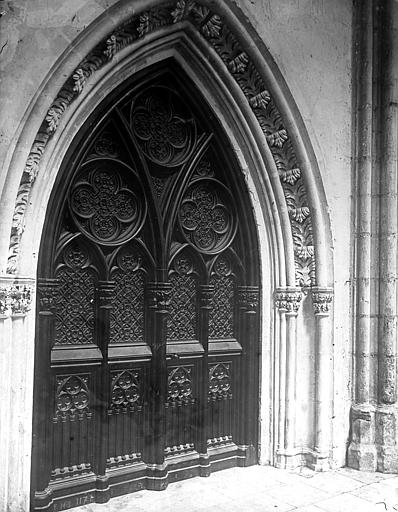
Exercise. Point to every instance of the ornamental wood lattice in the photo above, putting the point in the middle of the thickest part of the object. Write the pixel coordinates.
(147, 347)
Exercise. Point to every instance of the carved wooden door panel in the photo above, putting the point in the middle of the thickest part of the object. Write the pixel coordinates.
(147, 339)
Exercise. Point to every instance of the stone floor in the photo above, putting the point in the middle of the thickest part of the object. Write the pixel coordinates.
(266, 489)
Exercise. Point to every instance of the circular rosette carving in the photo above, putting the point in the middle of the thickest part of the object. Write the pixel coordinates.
(106, 206)
(164, 126)
(205, 220)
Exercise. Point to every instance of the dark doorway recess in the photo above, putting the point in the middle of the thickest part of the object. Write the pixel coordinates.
(147, 343)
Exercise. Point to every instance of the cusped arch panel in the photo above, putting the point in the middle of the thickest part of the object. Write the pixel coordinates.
(218, 30)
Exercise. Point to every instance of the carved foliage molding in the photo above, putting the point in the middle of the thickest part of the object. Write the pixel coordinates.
(322, 299)
(241, 67)
(288, 300)
(15, 298)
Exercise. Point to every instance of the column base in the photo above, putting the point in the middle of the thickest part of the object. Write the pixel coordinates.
(362, 457)
(157, 477)
(103, 491)
(386, 438)
(286, 459)
(204, 465)
(362, 452)
(320, 461)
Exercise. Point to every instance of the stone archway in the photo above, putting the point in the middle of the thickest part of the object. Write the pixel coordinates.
(222, 54)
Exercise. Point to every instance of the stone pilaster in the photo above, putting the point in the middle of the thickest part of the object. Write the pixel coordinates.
(322, 299)
(16, 385)
(287, 301)
(374, 414)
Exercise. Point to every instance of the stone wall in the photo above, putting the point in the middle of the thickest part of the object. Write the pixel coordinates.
(310, 41)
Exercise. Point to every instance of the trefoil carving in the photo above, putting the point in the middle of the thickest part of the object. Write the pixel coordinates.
(179, 387)
(125, 391)
(220, 382)
(72, 398)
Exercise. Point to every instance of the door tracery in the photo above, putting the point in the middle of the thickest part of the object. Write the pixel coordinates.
(145, 351)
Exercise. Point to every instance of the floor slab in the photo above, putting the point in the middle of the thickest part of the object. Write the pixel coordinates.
(266, 489)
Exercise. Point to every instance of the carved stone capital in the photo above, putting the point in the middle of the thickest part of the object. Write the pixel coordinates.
(206, 295)
(322, 300)
(249, 298)
(15, 296)
(47, 294)
(288, 299)
(159, 296)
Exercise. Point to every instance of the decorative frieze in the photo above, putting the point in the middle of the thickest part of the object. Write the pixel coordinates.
(288, 299)
(15, 298)
(322, 300)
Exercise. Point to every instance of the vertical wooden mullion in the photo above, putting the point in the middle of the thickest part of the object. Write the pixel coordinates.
(105, 293)
(159, 294)
(44, 401)
(206, 294)
(249, 297)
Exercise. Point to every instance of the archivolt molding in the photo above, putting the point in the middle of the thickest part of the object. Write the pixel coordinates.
(213, 28)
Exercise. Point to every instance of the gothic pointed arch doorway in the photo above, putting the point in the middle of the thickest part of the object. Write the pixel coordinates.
(147, 358)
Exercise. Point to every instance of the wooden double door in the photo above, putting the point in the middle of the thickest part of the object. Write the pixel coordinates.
(148, 331)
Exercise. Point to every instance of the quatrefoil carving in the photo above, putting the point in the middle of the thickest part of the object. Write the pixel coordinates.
(107, 210)
(204, 218)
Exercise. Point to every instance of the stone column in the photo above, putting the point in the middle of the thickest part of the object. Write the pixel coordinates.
(5, 350)
(374, 414)
(387, 410)
(322, 299)
(287, 301)
(16, 360)
(362, 450)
